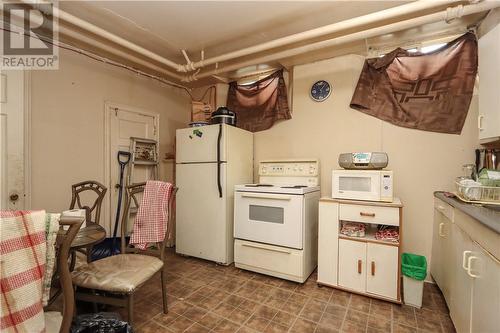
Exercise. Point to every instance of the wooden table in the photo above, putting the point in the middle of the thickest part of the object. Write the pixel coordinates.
(88, 236)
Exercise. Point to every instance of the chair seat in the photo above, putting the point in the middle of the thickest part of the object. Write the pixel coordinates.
(53, 321)
(122, 273)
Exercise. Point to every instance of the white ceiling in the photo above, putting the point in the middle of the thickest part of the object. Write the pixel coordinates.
(217, 27)
(166, 27)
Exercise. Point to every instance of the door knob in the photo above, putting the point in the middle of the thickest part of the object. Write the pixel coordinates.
(14, 197)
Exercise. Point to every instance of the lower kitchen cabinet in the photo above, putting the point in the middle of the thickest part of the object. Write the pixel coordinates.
(467, 273)
(352, 261)
(362, 265)
(460, 300)
(486, 291)
(442, 247)
(382, 270)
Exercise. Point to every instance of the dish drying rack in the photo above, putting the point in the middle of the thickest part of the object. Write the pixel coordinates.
(478, 194)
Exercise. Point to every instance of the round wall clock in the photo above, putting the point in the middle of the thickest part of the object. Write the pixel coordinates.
(320, 90)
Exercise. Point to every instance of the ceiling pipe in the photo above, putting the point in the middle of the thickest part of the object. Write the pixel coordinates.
(62, 15)
(398, 26)
(322, 31)
(88, 40)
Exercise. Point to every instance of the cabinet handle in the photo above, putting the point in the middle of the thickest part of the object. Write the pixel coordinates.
(367, 214)
(359, 266)
(469, 262)
(480, 122)
(373, 267)
(440, 232)
(464, 259)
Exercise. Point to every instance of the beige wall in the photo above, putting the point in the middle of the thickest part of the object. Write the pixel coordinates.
(67, 131)
(423, 162)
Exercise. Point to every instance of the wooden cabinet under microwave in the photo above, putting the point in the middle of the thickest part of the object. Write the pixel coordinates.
(363, 265)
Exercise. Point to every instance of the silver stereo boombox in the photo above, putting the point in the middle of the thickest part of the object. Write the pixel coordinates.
(366, 161)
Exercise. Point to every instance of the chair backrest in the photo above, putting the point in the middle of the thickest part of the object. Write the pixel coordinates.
(133, 200)
(94, 208)
(63, 244)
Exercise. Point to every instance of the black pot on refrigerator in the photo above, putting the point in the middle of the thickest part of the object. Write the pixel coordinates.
(223, 116)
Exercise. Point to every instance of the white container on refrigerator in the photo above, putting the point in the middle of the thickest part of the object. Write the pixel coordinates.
(210, 160)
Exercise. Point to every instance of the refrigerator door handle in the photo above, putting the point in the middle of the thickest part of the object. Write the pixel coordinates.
(219, 185)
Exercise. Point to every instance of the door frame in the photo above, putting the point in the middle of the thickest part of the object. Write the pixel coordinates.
(110, 107)
(26, 145)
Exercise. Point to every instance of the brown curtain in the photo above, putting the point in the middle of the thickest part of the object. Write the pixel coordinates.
(430, 92)
(259, 105)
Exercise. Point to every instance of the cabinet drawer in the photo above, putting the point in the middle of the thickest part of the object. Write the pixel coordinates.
(382, 270)
(443, 208)
(352, 265)
(273, 259)
(369, 214)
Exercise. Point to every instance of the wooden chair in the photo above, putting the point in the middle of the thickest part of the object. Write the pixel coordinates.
(92, 210)
(114, 280)
(55, 321)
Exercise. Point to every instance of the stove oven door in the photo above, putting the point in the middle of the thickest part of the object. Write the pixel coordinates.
(269, 218)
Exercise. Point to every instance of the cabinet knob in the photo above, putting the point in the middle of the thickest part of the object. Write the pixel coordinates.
(373, 268)
(359, 266)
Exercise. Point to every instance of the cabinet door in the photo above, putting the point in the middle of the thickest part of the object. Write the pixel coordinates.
(352, 265)
(460, 303)
(486, 295)
(328, 242)
(489, 99)
(382, 270)
(442, 251)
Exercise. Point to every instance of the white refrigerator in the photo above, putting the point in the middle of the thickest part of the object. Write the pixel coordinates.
(210, 160)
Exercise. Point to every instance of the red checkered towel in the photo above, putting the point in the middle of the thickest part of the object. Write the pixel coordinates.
(152, 216)
(22, 253)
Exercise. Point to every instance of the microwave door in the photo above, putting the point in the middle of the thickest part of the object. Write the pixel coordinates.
(357, 187)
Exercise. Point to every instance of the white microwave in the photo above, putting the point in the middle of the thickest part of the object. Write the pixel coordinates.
(369, 185)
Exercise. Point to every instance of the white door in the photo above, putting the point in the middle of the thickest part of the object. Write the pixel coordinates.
(460, 305)
(269, 218)
(124, 123)
(12, 141)
(486, 296)
(352, 265)
(199, 144)
(201, 221)
(382, 270)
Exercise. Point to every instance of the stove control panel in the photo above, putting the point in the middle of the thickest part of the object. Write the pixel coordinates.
(289, 168)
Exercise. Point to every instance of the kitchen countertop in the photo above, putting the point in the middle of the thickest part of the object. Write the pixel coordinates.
(489, 217)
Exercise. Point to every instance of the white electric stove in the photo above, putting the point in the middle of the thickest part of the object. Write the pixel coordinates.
(276, 220)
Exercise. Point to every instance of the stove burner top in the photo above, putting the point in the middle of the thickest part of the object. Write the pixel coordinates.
(259, 185)
(294, 186)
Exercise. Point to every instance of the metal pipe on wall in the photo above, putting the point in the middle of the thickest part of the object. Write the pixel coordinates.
(322, 31)
(318, 32)
(62, 15)
(402, 25)
(81, 37)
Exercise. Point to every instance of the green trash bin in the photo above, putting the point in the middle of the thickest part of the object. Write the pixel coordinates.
(414, 269)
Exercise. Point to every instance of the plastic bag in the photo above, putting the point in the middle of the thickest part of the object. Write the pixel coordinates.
(102, 322)
(414, 266)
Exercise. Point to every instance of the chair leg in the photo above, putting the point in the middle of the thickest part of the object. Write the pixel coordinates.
(72, 261)
(130, 309)
(164, 291)
(89, 254)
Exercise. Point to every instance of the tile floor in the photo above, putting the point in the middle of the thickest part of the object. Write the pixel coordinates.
(204, 297)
